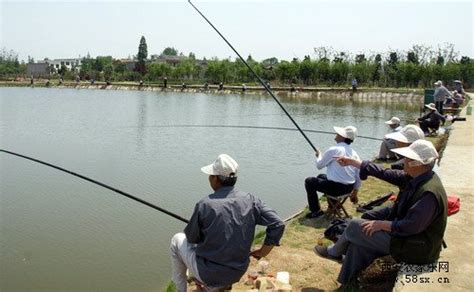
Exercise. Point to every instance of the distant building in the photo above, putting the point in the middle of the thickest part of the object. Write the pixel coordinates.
(70, 64)
(129, 64)
(40, 69)
(171, 60)
(47, 66)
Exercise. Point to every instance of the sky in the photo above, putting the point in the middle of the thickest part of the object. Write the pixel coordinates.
(263, 29)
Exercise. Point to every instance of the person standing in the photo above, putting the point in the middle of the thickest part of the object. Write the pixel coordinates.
(354, 85)
(440, 94)
(215, 245)
(338, 180)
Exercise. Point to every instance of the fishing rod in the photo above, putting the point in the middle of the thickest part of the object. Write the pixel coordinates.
(256, 75)
(253, 127)
(100, 184)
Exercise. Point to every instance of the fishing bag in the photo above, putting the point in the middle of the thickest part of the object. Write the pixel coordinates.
(336, 228)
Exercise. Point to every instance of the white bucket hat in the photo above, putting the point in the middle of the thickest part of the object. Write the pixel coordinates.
(224, 165)
(420, 150)
(431, 106)
(393, 121)
(348, 132)
(408, 134)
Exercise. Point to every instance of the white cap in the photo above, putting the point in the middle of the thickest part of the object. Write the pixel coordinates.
(224, 165)
(393, 121)
(438, 83)
(420, 150)
(408, 134)
(348, 132)
(431, 106)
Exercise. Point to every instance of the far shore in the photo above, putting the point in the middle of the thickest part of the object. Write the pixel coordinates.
(366, 94)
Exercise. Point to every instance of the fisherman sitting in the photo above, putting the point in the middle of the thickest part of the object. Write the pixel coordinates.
(411, 230)
(339, 180)
(215, 245)
(458, 86)
(387, 143)
(404, 138)
(431, 121)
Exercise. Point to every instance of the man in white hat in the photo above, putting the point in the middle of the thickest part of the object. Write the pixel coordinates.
(404, 138)
(411, 230)
(431, 120)
(387, 143)
(338, 180)
(458, 87)
(215, 245)
(440, 94)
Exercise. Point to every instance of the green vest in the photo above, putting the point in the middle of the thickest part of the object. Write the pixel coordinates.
(424, 247)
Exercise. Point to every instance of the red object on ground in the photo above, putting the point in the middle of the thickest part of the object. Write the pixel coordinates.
(454, 204)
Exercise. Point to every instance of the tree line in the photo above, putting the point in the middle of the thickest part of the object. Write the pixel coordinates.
(415, 68)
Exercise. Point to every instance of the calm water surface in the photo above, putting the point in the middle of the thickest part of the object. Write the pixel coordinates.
(58, 232)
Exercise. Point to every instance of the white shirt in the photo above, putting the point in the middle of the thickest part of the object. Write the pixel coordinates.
(335, 172)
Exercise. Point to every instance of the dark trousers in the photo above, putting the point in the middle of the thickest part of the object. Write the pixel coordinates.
(439, 106)
(360, 249)
(322, 184)
(426, 125)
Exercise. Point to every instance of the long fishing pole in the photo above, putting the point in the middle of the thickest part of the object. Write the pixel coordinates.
(256, 75)
(100, 184)
(252, 127)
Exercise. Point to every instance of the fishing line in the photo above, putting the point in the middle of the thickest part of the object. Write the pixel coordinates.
(100, 184)
(253, 127)
(256, 75)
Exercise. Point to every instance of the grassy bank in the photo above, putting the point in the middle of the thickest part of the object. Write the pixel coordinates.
(309, 272)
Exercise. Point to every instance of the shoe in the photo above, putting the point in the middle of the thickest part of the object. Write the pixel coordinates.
(322, 251)
(311, 215)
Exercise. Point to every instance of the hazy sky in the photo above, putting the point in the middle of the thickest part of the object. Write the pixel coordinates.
(282, 29)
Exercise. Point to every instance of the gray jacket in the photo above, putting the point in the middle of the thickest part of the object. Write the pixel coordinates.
(223, 227)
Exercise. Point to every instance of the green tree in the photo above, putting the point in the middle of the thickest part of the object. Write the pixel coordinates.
(170, 51)
(412, 57)
(360, 58)
(108, 71)
(141, 56)
(9, 64)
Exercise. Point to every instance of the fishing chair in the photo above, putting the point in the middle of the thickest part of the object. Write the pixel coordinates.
(336, 206)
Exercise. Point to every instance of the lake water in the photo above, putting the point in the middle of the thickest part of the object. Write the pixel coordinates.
(58, 232)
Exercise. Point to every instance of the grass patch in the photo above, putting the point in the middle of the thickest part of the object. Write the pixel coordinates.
(259, 237)
(171, 287)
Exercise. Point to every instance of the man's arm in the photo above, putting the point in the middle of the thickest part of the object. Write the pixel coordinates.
(418, 218)
(368, 168)
(274, 232)
(323, 160)
(193, 230)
